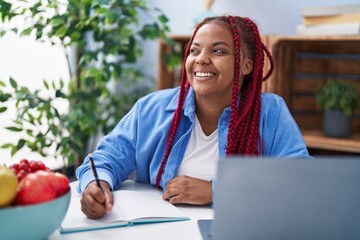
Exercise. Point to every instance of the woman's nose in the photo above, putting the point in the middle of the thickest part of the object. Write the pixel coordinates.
(203, 58)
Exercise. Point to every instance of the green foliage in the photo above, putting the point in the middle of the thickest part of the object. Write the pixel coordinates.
(107, 37)
(172, 57)
(336, 95)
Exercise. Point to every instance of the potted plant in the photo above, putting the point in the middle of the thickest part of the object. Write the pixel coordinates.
(106, 37)
(338, 100)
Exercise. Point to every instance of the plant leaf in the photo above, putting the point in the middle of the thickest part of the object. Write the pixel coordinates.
(13, 83)
(3, 109)
(14, 129)
(6, 145)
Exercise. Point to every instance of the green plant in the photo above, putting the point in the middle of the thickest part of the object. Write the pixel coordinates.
(106, 36)
(337, 95)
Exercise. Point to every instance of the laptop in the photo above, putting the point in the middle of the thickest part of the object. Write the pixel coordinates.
(275, 199)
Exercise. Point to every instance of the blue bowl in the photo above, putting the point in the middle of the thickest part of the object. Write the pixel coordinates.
(36, 221)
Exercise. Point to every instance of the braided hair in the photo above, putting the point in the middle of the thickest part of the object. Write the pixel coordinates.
(243, 134)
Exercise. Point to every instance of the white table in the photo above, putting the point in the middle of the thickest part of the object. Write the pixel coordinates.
(158, 231)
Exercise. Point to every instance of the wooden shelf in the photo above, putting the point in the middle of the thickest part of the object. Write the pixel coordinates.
(317, 140)
(168, 78)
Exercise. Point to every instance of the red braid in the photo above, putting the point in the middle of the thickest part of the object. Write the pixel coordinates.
(184, 86)
(234, 102)
(243, 134)
(246, 136)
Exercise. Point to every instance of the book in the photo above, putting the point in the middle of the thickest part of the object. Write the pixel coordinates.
(130, 208)
(340, 18)
(329, 29)
(327, 10)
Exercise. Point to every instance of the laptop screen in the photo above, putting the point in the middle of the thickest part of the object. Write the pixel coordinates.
(268, 198)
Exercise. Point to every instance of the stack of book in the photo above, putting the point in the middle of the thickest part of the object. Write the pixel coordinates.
(330, 20)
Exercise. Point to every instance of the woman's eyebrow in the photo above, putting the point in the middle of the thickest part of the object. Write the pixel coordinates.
(213, 44)
(220, 43)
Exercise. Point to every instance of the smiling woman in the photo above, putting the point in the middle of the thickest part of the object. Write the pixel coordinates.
(207, 66)
(174, 138)
(210, 74)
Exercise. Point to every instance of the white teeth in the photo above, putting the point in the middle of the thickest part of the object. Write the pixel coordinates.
(203, 74)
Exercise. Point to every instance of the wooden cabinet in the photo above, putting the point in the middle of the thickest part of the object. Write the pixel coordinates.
(169, 78)
(302, 65)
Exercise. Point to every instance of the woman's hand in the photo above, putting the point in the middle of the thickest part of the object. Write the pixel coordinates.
(95, 202)
(185, 189)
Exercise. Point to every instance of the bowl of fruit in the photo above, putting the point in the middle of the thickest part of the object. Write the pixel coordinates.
(33, 200)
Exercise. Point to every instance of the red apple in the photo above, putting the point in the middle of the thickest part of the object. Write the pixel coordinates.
(61, 184)
(34, 188)
(58, 181)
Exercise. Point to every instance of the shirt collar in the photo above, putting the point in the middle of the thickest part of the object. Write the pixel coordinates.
(189, 104)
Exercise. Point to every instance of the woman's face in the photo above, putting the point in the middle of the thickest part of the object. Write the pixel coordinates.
(210, 64)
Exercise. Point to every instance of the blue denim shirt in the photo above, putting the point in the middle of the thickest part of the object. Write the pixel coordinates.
(139, 140)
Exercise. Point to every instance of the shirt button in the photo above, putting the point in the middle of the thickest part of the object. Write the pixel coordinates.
(223, 146)
(223, 122)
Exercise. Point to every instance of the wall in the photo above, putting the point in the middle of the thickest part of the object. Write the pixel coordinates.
(276, 16)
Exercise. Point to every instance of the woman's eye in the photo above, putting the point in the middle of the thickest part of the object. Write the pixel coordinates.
(218, 51)
(194, 51)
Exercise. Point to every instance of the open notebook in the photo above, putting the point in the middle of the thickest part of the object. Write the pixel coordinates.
(130, 207)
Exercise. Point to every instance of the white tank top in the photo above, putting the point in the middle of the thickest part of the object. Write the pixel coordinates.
(201, 154)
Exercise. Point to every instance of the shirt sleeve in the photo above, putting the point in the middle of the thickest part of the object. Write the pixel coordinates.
(114, 157)
(281, 136)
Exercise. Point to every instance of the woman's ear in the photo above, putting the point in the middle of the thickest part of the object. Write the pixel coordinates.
(247, 66)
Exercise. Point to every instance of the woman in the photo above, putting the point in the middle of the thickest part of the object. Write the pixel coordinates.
(174, 138)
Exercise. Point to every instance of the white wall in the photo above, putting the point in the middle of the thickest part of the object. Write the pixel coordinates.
(276, 16)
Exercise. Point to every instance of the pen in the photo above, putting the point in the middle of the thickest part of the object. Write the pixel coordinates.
(92, 166)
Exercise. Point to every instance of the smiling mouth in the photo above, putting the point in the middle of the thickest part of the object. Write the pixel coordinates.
(204, 74)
